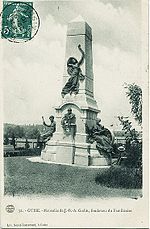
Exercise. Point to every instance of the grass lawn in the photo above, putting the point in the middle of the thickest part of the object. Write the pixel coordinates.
(23, 177)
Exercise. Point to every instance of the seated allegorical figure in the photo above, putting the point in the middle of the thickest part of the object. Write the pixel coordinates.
(68, 123)
(44, 137)
(102, 137)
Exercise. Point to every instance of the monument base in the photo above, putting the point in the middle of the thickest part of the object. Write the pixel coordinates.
(74, 153)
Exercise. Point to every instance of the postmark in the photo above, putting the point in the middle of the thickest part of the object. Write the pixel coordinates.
(10, 208)
(20, 21)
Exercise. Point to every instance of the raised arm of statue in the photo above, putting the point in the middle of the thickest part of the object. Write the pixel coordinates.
(43, 120)
(82, 57)
(46, 125)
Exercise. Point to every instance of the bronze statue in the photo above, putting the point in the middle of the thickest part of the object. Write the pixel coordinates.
(102, 136)
(51, 129)
(75, 73)
(68, 123)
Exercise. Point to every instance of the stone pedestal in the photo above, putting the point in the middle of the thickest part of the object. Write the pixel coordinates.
(65, 149)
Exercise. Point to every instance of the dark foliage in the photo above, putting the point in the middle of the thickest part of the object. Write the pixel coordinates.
(133, 144)
(6, 139)
(21, 131)
(134, 93)
(121, 177)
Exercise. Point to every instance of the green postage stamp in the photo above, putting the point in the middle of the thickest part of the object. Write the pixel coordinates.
(20, 21)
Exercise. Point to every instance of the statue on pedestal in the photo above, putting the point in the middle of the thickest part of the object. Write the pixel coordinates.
(69, 145)
(50, 130)
(75, 73)
(102, 136)
(68, 123)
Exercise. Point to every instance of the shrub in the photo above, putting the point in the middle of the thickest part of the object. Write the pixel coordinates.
(120, 177)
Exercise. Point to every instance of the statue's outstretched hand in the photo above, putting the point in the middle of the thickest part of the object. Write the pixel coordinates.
(79, 46)
(82, 57)
(81, 50)
(43, 120)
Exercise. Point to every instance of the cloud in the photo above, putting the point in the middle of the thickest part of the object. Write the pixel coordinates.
(33, 70)
(114, 25)
(113, 67)
(33, 75)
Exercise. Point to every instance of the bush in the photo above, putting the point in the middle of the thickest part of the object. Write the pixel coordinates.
(134, 154)
(121, 177)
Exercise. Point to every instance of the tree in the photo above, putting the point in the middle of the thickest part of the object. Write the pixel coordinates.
(32, 132)
(134, 93)
(9, 131)
(127, 128)
(6, 139)
(19, 131)
(133, 145)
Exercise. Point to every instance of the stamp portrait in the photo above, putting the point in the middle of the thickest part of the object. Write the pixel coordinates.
(20, 21)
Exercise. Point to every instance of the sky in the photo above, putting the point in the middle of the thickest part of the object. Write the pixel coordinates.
(33, 71)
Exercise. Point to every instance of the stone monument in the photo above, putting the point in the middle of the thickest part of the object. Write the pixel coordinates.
(78, 109)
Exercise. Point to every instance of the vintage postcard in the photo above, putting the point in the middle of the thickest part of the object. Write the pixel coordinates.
(74, 105)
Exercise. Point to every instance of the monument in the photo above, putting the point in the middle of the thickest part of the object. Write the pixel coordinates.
(77, 113)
